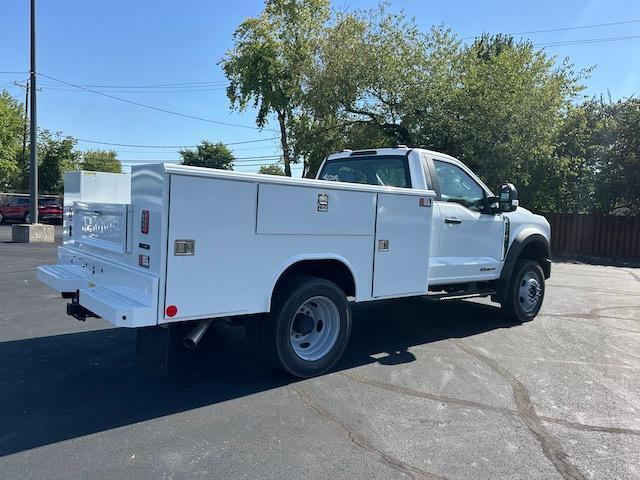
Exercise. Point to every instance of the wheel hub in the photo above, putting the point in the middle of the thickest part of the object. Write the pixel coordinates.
(315, 328)
(303, 324)
(530, 292)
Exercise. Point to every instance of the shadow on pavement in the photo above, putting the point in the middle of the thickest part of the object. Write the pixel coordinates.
(62, 387)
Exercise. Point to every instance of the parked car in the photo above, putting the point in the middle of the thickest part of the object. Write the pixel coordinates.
(49, 210)
(284, 255)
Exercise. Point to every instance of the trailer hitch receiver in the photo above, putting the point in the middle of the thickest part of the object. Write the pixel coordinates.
(77, 311)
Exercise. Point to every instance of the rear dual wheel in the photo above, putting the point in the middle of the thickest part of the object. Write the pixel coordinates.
(307, 330)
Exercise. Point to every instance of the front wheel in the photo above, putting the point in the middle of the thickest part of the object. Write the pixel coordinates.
(525, 292)
(308, 328)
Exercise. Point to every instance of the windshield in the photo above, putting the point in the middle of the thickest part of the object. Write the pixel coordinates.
(392, 171)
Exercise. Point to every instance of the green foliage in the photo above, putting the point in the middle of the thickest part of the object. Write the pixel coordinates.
(271, 170)
(56, 155)
(270, 57)
(209, 155)
(616, 158)
(101, 161)
(12, 126)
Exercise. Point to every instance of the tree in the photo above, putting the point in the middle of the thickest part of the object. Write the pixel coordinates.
(209, 155)
(267, 65)
(621, 171)
(56, 155)
(101, 161)
(613, 153)
(506, 112)
(11, 131)
(495, 104)
(271, 170)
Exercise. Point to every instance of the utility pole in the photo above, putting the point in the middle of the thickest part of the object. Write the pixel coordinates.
(33, 139)
(33, 231)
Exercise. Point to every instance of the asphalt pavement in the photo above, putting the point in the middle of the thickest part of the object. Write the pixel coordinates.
(425, 391)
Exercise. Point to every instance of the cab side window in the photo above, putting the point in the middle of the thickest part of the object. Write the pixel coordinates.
(457, 186)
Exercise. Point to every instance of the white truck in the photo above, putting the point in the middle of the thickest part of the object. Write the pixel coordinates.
(288, 256)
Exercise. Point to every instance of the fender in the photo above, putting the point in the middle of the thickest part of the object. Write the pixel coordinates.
(304, 258)
(525, 238)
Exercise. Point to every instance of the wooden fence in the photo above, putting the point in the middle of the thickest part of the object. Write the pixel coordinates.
(595, 234)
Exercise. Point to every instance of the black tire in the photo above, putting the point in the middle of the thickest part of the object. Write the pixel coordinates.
(276, 328)
(1, 218)
(515, 306)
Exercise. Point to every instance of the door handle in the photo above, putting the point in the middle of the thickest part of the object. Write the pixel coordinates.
(454, 221)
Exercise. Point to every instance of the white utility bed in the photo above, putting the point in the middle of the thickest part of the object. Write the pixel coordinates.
(245, 231)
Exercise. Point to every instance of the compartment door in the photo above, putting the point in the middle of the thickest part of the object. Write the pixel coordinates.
(403, 236)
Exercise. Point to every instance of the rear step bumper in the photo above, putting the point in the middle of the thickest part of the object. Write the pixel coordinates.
(63, 278)
(122, 308)
(120, 294)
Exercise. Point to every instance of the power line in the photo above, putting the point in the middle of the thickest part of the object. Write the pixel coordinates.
(13, 73)
(241, 159)
(162, 85)
(64, 89)
(171, 146)
(244, 162)
(562, 29)
(156, 152)
(151, 107)
(587, 41)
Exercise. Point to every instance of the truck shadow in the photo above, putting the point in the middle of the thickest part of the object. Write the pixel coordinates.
(66, 386)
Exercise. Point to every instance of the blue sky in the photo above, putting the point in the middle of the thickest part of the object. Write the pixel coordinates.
(159, 42)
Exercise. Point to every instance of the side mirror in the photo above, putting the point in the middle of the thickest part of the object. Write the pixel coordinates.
(492, 205)
(508, 197)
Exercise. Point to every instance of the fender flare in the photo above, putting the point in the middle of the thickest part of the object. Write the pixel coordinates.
(523, 239)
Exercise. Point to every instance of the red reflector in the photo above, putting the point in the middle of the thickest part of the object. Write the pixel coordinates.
(172, 310)
(144, 222)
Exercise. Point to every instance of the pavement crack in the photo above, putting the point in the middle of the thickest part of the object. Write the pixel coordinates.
(596, 314)
(483, 406)
(362, 443)
(427, 395)
(633, 274)
(551, 446)
(590, 428)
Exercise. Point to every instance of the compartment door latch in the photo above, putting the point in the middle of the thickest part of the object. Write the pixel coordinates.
(183, 248)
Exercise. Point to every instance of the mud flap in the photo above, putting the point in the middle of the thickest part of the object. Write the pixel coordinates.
(159, 349)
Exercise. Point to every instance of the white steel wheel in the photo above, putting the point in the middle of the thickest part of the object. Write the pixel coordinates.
(315, 328)
(530, 292)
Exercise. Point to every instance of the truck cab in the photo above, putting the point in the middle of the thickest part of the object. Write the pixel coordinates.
(476, 237)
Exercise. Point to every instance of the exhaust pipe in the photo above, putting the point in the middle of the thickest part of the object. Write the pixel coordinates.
(193, 338)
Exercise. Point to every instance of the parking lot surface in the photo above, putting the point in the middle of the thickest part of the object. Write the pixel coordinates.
(425, 391)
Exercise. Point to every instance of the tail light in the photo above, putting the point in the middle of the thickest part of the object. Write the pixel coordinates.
(144, 222)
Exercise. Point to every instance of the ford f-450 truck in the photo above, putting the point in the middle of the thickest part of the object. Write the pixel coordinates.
(287, 256)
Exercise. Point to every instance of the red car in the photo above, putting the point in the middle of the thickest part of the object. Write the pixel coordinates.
(49, 210)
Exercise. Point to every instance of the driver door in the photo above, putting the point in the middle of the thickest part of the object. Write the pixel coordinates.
(471, 242)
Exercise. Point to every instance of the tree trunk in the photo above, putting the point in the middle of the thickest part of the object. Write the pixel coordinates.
(286, 154)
